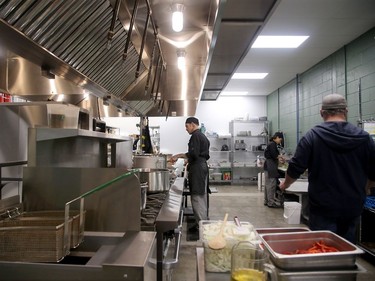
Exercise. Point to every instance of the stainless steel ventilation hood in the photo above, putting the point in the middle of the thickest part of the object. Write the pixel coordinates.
(240, 24)
(135, 71)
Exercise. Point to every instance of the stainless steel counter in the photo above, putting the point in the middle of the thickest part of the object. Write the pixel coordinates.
(169, 219)
(332, 275)
(57, 133)
(298, 187)
(59, 147)
(102, 256)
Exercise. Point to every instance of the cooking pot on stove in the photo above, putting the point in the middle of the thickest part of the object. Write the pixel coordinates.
(150, 161)
(158, 180)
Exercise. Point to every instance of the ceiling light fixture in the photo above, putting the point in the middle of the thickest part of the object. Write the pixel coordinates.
(177, 17)
(181, 61)
(249, 75)
(279, 41)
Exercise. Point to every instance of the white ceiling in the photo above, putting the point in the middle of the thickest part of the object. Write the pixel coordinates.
(331, 24)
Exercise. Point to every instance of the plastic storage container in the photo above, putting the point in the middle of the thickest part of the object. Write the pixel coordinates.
(220, 260)
(62, 116)
(216, 176)
(292, 212)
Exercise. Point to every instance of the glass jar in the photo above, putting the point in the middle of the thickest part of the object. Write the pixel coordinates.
(250, 263)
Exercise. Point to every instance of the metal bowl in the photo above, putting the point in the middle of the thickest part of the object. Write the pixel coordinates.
(278, 244)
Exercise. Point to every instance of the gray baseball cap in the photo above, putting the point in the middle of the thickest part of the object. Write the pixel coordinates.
(334, 101)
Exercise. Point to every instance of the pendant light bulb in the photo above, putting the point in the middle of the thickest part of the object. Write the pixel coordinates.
(177, 17)
(181, 62)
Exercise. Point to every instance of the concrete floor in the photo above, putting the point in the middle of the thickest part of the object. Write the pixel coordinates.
(246, 202)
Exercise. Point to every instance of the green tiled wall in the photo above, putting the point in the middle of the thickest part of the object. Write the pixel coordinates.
(273, 111)
(350, 71)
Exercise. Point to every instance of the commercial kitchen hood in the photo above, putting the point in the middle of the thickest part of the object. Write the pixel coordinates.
(86, 47)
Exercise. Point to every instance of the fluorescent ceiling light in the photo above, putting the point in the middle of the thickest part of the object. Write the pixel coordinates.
(177, 17)
(279, 41)
(234, 93)
(249, 75)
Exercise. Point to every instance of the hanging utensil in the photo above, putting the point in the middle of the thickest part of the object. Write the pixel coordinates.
(240, 230)
(162, 107)
(159, 81)
(168, 111)
(112, 27)
(155, 74)
(151, 64)
(134, 14)
(142, 44)
(237, 221)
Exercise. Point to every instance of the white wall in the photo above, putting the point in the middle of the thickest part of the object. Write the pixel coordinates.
(173, 136)
(215, 115)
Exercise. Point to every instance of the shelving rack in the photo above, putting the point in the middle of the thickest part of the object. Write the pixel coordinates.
(155, 137)
(249, 139)
(220, 158)
(233, 157)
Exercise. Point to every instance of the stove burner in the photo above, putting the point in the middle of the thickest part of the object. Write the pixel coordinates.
(156, 196)
(145, 221)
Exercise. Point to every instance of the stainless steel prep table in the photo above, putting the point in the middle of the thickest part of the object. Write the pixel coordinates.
(334, 275)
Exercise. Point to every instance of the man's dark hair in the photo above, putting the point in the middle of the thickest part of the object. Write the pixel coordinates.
(192, 120)
(334, 111)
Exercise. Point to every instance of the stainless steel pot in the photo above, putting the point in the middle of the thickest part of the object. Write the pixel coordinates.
(158, 180)
(150, 161)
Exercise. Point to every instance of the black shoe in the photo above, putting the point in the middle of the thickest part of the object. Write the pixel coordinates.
(194, 228)
(274, 206)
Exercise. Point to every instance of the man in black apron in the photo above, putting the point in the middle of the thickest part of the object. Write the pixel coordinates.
(197, 155)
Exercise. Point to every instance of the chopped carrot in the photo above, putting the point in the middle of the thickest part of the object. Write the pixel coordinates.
(317, 247)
